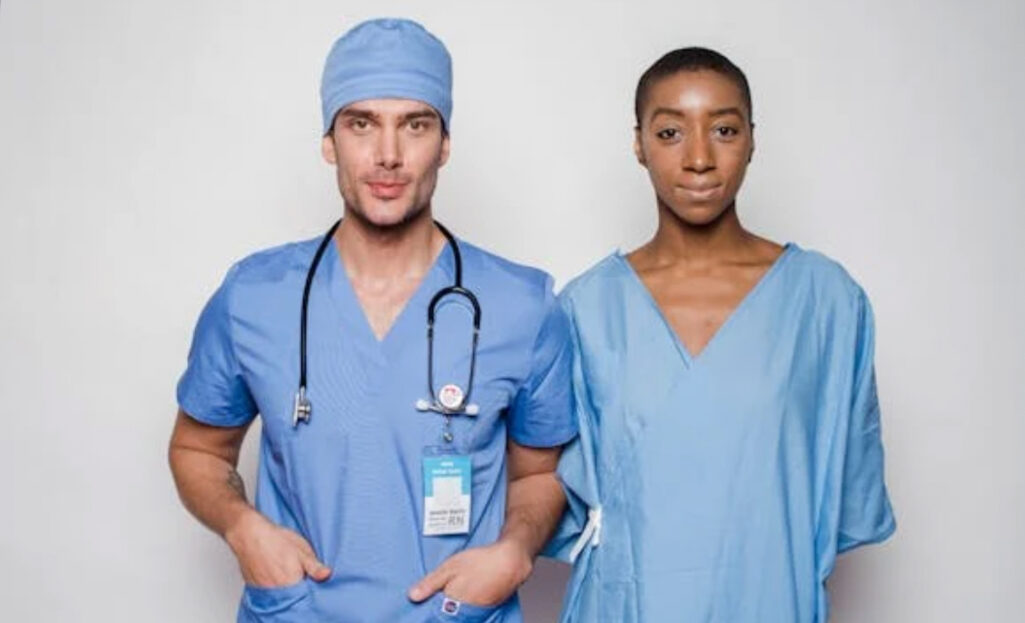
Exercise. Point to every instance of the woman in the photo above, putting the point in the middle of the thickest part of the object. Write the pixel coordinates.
(730, 444)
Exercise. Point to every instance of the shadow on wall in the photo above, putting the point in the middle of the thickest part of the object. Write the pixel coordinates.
(541, 596)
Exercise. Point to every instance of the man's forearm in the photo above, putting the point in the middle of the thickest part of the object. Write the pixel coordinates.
(210, 488)
(535, 504)
(203, 460)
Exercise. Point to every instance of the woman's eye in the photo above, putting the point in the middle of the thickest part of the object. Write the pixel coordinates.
(726, 131)
(667, 134)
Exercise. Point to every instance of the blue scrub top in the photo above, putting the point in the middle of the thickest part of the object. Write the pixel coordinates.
(350, 481)
(728, 482)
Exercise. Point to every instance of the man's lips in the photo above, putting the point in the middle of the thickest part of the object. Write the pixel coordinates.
(386, 190)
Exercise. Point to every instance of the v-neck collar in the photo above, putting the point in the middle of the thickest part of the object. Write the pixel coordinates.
(355, 318)
(752, 294)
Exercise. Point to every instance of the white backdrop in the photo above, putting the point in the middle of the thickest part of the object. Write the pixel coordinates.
(146, 145)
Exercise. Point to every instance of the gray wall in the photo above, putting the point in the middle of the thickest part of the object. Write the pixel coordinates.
(146, 145)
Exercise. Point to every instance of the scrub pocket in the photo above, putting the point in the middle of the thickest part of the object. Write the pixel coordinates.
(285, 604)
(447, 610)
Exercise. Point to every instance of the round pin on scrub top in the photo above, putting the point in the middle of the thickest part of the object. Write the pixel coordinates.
(450, 396)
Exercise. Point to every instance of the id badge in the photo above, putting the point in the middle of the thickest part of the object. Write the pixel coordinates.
(447, 480)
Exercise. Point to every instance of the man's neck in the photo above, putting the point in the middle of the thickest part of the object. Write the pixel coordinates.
(377, 254)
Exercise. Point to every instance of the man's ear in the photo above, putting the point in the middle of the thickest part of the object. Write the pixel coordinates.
(446, 144)
(638, 148)
(327, 149)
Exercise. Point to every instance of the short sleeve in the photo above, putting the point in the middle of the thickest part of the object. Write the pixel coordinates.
(541, 414)
(578, 463)
(212, 389)
(865, 512)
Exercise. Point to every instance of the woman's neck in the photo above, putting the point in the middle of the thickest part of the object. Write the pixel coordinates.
(679, 242)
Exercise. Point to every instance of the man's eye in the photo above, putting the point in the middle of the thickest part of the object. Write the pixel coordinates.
(419, 125)
(667, 134)
(359, 124)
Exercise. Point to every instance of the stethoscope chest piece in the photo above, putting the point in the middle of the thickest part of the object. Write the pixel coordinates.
(451, 400)
(451, 396)
(302, 408)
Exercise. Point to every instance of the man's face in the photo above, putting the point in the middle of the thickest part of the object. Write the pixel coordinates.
(696, 140)
(386, 153)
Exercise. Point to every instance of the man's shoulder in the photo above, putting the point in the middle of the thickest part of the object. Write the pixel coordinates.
(274, 264)
(499, 272)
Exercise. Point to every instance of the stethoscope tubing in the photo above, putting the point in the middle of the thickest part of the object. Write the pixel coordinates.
(302, 406)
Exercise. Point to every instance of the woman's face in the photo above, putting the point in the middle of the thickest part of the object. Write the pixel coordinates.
(695, 139)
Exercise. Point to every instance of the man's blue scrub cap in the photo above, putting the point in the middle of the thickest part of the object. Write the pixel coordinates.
(387, 58)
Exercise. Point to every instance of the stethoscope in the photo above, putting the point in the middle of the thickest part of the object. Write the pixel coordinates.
(451, 399)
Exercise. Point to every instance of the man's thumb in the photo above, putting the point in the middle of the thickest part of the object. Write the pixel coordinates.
(315, 569)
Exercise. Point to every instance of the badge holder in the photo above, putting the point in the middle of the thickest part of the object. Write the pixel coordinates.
(447, 482)
(448, 475)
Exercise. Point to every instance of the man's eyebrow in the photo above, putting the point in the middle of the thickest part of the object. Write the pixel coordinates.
(425, 113)
(359, 113)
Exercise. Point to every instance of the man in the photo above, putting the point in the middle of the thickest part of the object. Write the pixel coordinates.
(376, 501)
(730, 441)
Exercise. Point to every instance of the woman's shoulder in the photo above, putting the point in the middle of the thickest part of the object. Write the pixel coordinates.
(596, 283)
(821, 275)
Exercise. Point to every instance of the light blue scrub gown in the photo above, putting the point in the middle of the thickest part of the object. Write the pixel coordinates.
(727, 482)
(350, 481)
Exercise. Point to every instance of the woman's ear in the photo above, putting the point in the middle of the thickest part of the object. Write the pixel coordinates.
(638, 148)
(751, 154)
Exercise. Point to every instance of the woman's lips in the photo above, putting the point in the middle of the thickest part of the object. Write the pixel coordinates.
(700, 193)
